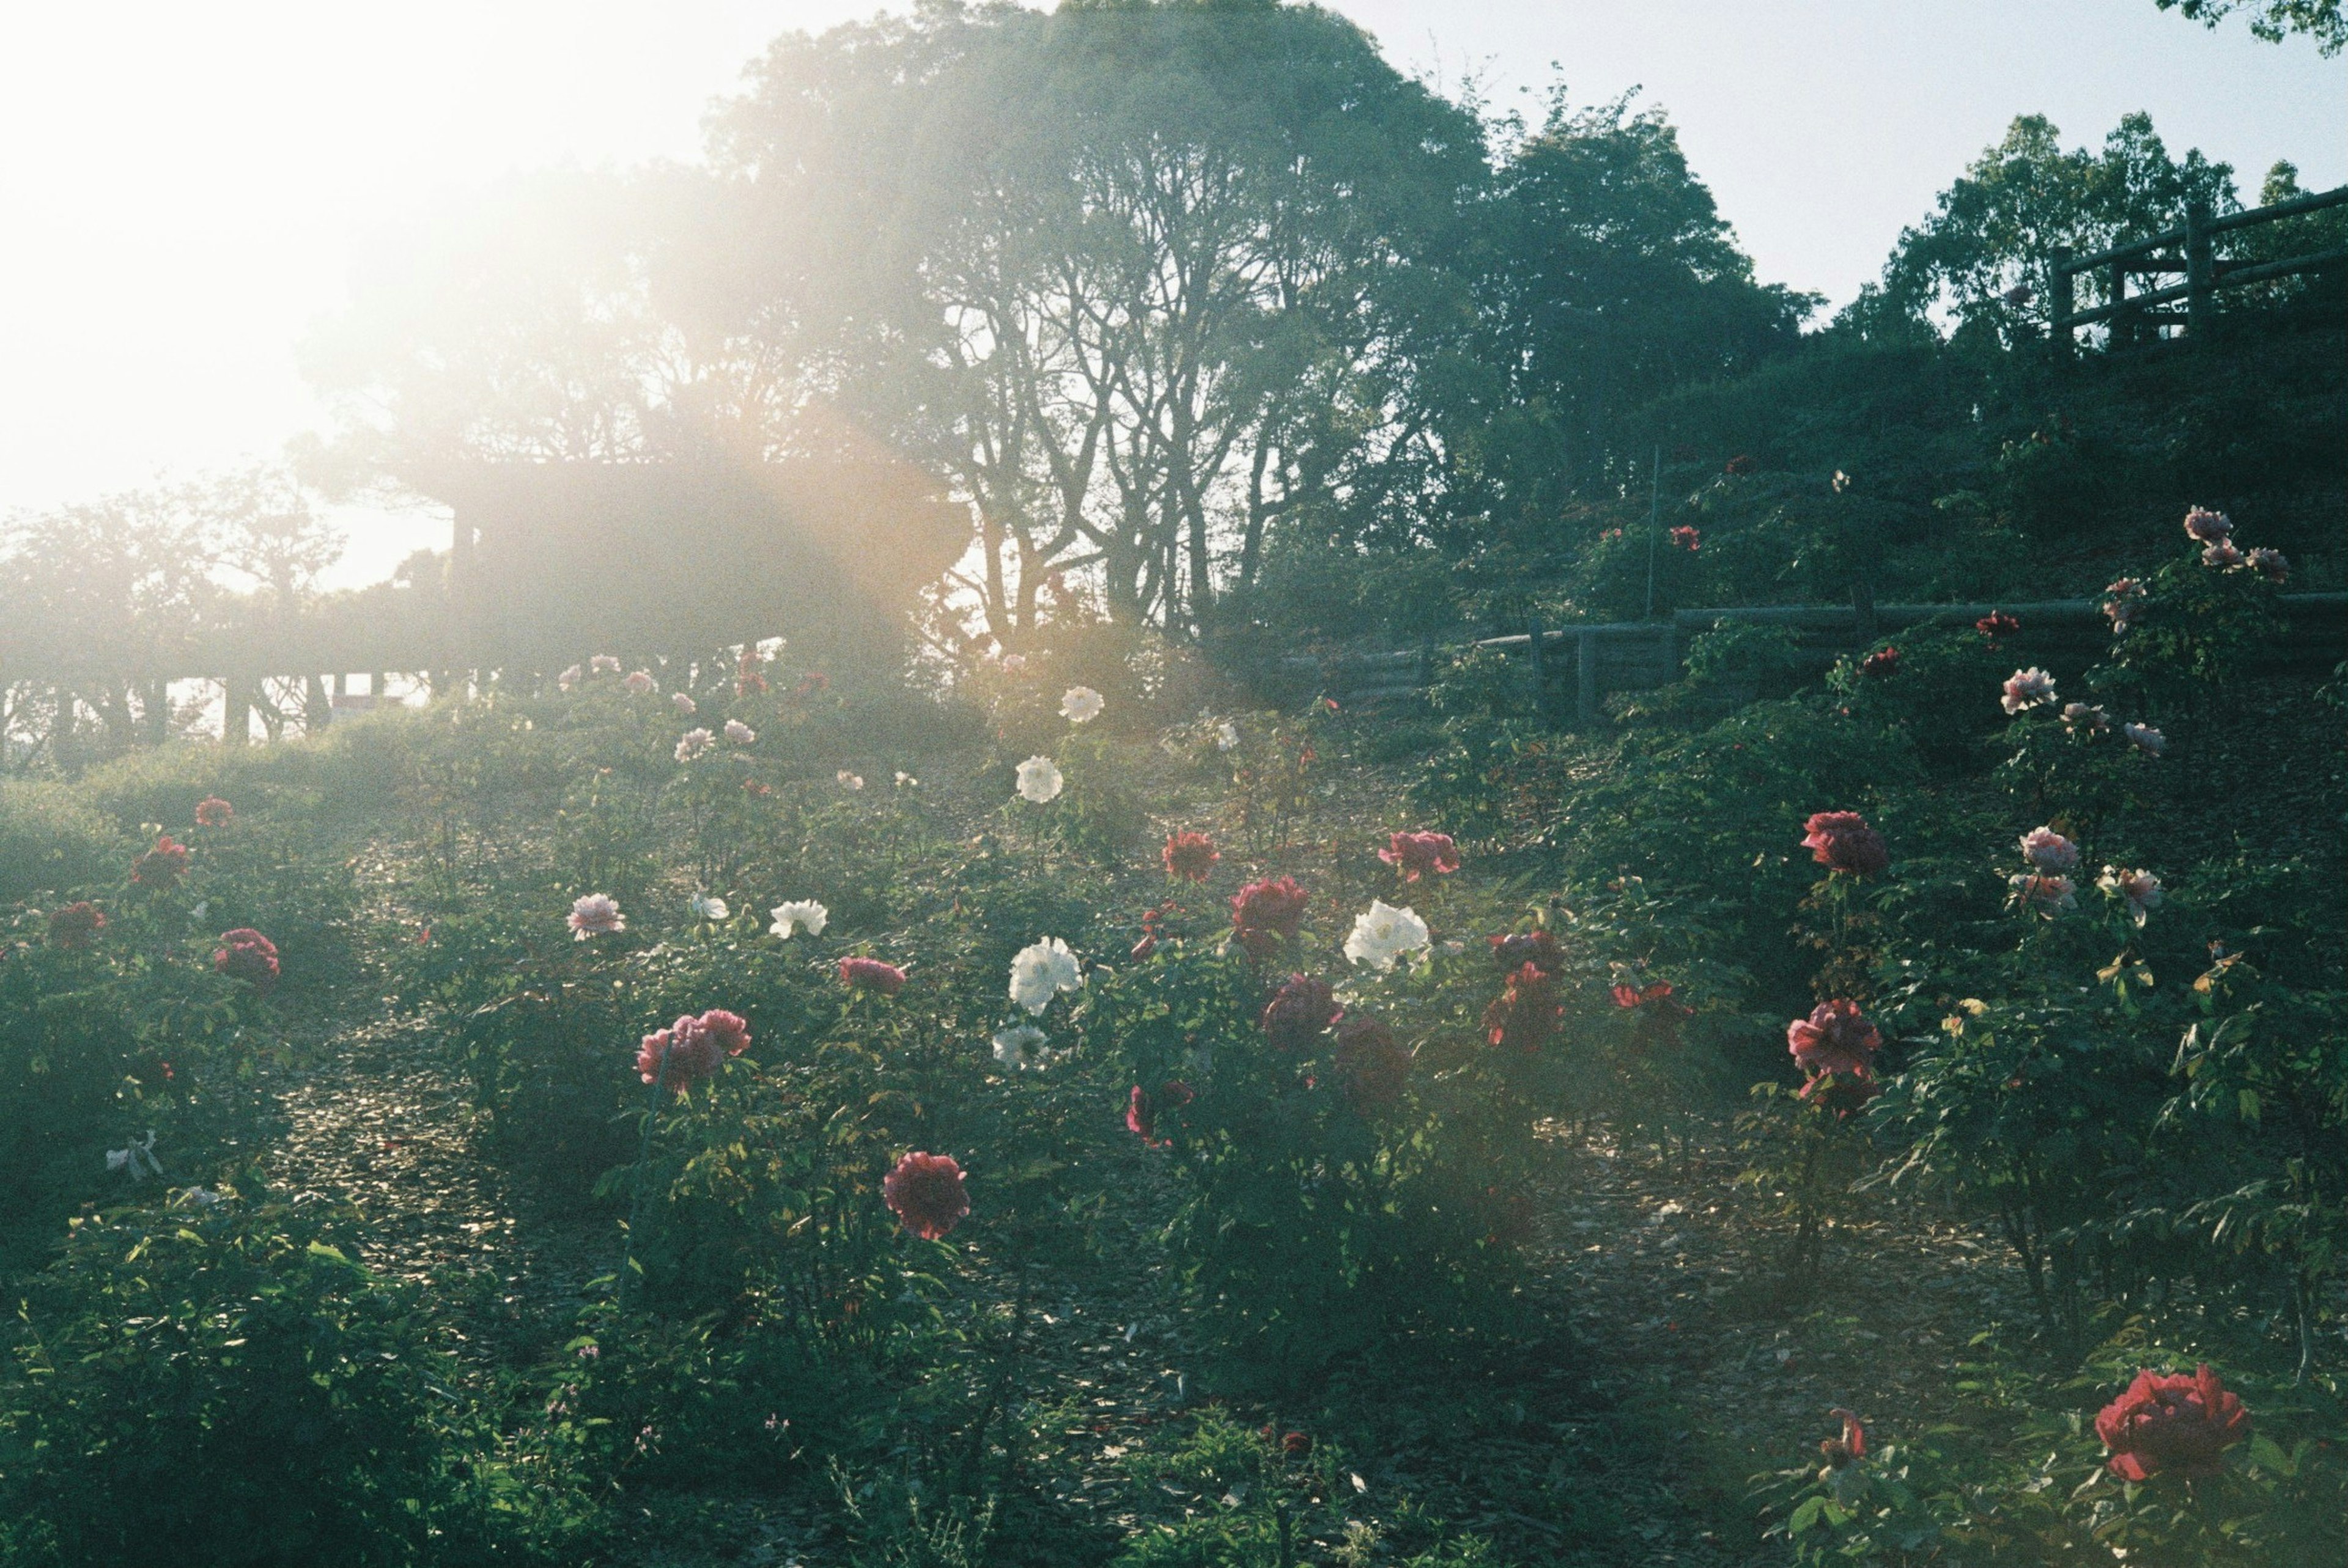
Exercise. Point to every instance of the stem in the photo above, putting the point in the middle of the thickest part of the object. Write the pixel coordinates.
(643, 1151)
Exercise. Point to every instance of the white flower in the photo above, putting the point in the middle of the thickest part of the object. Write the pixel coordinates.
(2139, 890)
(1226, 736)
(138, 1159)
(571, 677)
(683, 704)
(1020, 1046)
(604, 664)
(194, 1198)
(849, 780)
(1042, 971)
(1384, 935)
(740, 733)
(906, 779)
(2027, 689)
(800, 915)
(709, 907)
(2145, 739)
(1039, 780)
(203, 908)
(2049, 850)
(595, 914)
(696, 743)
(1081, 705)
(641, 682)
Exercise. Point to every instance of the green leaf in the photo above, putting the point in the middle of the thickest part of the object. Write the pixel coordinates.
(332, 1254)
(1807, 1516)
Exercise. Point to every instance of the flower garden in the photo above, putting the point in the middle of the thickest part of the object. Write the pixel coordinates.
(1081, 1116)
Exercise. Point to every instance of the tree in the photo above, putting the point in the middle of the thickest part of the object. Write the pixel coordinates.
(2274, 20)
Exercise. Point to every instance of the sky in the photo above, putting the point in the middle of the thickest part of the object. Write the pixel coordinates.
(185, 187)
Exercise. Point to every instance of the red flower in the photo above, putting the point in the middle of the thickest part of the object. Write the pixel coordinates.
(1834, 1038)
(1740, 464)
(214, 812)
(872, 975)
(1295, 1445)
(244, 954)
(1299, 1012)
(163, 866)
(1685, 537)
(1265, 915)
(75, 925)
(1416, 853)
(749, 673)
(1189, 855)
(2175, 1423)
(1526, 1011)
(1142, 1109)
(1517, 948)
(1997, 624)
(1841, 840)
(1631, 995)
(1852, 1445)
(1882, 662)
(1371, 1064)
(692, 1048)
(926, 1194)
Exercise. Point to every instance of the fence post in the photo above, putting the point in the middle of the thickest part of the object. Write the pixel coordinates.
(1585, 678)
(2200, 269)
(2060, 299)
(2123, 326)
(1536, 668)
(236, 712)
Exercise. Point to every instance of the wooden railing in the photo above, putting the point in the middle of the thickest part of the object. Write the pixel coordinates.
(1590, 662)
(2189, 252)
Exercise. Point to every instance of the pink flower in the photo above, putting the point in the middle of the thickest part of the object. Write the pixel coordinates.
(1835, 1038)
(680, 703)
(2269, 564)
(2221, 554)
(695, 745)
(214, 812)
(2120, 599)
(640, 681)
(1415, 854)
(2139, 890)
(1685, 537)
(2027, 689)
(2207, 526)
(1881, 663)
(75, 925)
(739, 733)
(595, 914)
(246, 954)
(604, 664)
(1299, 1013)
(2046, 894)
(1265, 915)
(872, 975)
(1997, 624)
(1190, 856)
(1143, 1108)
(1371, 1064)
(163, 866)
(2145, 739)
(2084, 718)
(1514, 949)
(1841, 840)
(2049, 850)
(927, 1194)
(2173, 1423)
(691, 1049)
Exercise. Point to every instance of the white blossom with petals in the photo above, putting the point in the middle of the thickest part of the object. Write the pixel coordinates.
(1226, 736)
(641, 682)
(739, 733)
(604, 664)
(798, 914)
(1020, 1046)
(2049, 850)
(2139, 890)
(2145, 739)
(695, 745)
(1081, 705)
(571, 677)
(1043, 970)
(850, 781)
(1039, 780)
(2027, 689)
(683, 703)
(1384, 934)
(708, 906)
(595, 914)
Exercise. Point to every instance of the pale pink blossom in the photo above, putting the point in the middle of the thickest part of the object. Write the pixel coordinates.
(571, 677)
(739, 733)
(641, 682)
(2139, 890)
(2049, 850)
(2221, 554)
(2120, 599)
(2207, 526)
(695, 745)
(604, 664)
(2145, 739)
(595, 914)
(682, 703)
(2086, 718)
(2269, 564)
(2027, 689)
(2046, 893)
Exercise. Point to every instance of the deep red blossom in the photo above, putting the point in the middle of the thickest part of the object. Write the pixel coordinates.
(1415, 855)
(1526, 1011)
(1516, 949)
(163, 866)
(1841, 840)
(2172, 1422)
(1882, 662)
(1265, 915)
(1997, 624)
(77, 925)
(1299, 1013)
(1296, 1445)
(691, 1049)
(1739, 465)
(927, 1194)
(872, 975)
(1687, 537)
(1143, 1108)
(1835, 1038)
(244, 954)
(1189, 855)
(214, 812)
(1852, 1445)
(1630, 996)
(1371, 1064)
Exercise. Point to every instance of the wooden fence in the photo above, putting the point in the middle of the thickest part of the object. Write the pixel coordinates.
(1568, 672)
(2189, 252)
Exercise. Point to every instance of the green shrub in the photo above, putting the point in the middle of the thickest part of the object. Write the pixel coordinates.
(51, 838)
